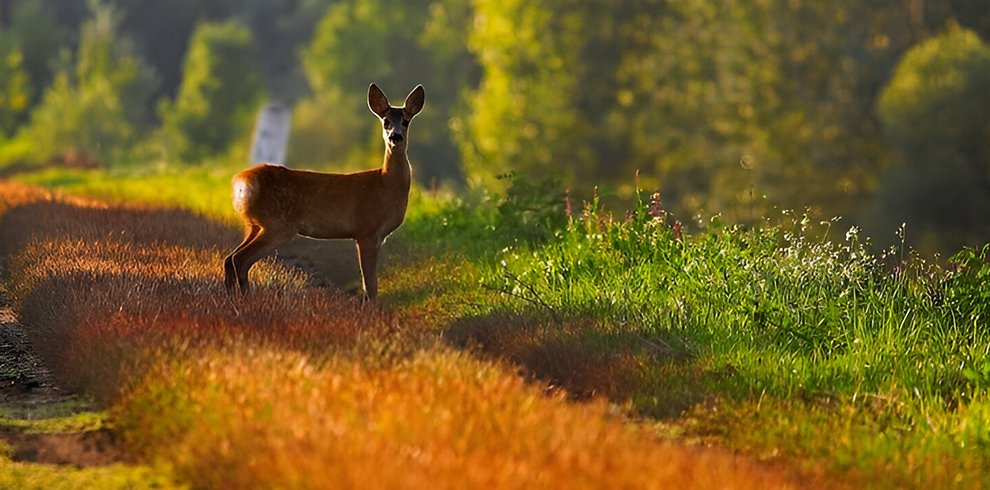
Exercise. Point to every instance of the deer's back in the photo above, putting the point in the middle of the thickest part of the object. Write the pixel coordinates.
(317, 204)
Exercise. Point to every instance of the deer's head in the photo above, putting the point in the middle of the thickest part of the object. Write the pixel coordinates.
(395, 120)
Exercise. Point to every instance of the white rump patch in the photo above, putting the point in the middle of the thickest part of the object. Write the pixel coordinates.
(243, 195)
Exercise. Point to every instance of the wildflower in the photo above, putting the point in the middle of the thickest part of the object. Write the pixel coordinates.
(655, 209)
(567, 202)
(677, 229)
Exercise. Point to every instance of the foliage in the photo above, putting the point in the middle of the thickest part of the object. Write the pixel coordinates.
(221, 89)
(396, 44)
(523, 116)
(35, 33)
(718, 105)
(936, 114)
(534, 209)
(936, 97)
(969, 287)
(97, 110)
(16, 92)
(28, 47)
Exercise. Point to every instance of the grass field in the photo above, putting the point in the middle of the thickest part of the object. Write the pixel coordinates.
(298, 386)
(828, 362)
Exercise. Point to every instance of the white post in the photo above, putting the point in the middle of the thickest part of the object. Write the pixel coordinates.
(271, 134)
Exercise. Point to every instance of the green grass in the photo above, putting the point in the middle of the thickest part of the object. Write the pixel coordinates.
(29, 476)
(204, 190)
(774, 340)
(70, 415)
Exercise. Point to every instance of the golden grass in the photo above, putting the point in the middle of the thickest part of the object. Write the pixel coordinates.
(298, 387)
(437, 419)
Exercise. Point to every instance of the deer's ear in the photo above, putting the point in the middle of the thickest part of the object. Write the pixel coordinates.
(377, 101)
(414, 101)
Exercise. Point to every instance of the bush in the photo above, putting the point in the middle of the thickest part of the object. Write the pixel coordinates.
(936, 116)
(98, 110)
(220, 93)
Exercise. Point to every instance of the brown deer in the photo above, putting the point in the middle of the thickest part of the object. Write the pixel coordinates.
(276, 203)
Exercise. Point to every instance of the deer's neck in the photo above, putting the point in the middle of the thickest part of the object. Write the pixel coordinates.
(396, 168)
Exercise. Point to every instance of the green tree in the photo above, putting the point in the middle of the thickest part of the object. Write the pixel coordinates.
(220, 92)
(162, 31)
(34, 32)
(936, 116)
(15, 89)
(524, 116)
(96, 110)
(722, 103)
(397, 44)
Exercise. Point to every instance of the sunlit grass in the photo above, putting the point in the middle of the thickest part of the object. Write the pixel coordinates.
(32, 476)
(203, 189)
(430, 419)
(71, 415)
(293, 386)
(760, 339)
(778, 336)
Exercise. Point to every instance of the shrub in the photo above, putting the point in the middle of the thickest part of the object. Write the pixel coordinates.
(97, 110)
(936, 116)
(220, 92)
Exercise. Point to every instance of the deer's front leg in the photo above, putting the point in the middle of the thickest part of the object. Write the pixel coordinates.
(368, 259)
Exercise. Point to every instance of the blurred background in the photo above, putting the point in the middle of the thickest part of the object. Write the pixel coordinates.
(878, 112)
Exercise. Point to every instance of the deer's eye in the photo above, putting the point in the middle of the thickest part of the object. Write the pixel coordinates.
(386, 123)
(405, 122)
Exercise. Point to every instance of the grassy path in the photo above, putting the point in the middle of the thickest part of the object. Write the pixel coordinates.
(280, 387)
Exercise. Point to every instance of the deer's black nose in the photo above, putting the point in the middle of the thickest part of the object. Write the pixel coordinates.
(395, 137)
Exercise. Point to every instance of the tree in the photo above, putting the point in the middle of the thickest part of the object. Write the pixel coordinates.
(525, 114)
(936, 117)
(397, 44)
(96, 110)
(162, 31)
(34, 32)
(220, 92)
(15, 89)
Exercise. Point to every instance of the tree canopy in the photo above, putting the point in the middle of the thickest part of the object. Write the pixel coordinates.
(730, 107)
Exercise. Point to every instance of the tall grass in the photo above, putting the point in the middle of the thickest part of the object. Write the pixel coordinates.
(887, 353)
(764, 338)
(293, 386)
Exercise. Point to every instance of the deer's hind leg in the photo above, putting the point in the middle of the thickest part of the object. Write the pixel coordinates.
(264, 241)
(229, 272)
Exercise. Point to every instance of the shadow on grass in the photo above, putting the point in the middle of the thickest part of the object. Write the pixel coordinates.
(658, 376)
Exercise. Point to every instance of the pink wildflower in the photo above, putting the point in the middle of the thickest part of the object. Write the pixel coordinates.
(655, 209)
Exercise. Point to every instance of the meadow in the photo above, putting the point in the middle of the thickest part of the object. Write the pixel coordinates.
(521, 341)
(294, 385)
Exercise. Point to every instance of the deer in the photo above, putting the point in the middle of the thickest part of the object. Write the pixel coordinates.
(276, 203)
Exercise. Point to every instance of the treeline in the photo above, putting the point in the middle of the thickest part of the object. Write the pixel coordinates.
(878, 111)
